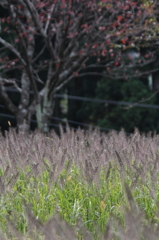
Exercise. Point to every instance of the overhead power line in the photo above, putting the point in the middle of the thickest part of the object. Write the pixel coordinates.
(132, 104)
(78, 98)
(64, 121)
(7, 115)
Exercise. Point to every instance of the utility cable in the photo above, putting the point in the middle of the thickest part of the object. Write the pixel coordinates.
(78, 98)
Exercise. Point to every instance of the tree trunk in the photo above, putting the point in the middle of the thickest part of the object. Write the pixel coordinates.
(23, 121)
(44, 112)
(25, 111)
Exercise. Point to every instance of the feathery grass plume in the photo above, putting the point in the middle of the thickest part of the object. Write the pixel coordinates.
(74, 183)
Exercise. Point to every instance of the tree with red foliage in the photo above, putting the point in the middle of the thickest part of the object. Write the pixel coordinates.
(50, 43)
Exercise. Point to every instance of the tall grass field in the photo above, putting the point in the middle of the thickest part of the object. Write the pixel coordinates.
(79, 185)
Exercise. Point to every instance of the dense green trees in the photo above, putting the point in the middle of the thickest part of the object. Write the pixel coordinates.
(124, 116)
(114, 116)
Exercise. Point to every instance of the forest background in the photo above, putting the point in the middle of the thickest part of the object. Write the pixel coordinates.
(139, 84)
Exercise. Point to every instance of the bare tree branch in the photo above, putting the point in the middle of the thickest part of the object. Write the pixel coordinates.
(10, 81)
(13, 49)
(49, 18)
(35, 17)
